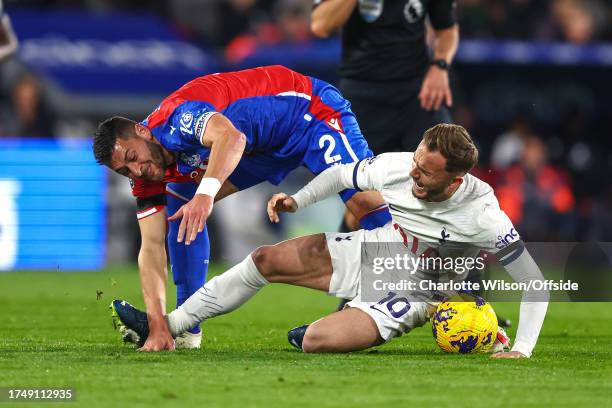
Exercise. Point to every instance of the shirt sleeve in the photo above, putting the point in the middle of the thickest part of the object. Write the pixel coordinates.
(370, 174)
(366, 175)
(190, 120)
(505, 242)
(330, 181)
(442, 13)
(150, 197)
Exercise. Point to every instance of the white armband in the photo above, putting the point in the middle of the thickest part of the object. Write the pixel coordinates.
(209, 186)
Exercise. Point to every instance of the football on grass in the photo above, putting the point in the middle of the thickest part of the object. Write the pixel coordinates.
(464, 325)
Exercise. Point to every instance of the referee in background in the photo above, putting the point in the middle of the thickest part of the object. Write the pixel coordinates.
(396, 87)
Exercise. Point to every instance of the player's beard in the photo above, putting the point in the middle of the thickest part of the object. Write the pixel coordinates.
(430, 193)
(157, 162)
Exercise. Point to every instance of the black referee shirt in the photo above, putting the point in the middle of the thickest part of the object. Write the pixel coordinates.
(384, 40)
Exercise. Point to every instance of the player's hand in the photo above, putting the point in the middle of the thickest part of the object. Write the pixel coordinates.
(280, 202)
(159, 339)
(194, 215)
(435, 89)
(509, 354)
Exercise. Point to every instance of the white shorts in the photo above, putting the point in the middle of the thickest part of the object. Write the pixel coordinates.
(393, 316)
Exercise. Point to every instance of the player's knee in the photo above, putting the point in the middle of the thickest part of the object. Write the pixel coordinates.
(314, 341)
(263, 257)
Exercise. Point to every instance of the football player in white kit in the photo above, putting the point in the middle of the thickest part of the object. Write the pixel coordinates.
(433, 201)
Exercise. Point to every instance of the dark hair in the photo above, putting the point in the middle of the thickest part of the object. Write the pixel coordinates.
(106, 135)
(454, 144)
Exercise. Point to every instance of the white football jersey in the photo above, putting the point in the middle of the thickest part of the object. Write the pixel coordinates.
(468, 222)
(471, 215)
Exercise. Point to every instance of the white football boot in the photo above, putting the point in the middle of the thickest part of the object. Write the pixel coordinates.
(188, 341)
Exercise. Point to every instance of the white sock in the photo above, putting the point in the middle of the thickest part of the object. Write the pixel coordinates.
(218, 296)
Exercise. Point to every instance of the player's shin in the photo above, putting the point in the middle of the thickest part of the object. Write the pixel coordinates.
(218, 296)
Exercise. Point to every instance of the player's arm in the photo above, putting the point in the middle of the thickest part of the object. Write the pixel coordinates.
(8, 39)
(329, 15)
(226, 144)
(365, 175)
(435, 89)
(522, 268)
(153, 277)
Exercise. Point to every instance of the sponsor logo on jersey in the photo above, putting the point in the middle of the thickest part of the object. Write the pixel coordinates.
(335, 124)
(413, 11)
(186, 122)
(193, 160)
(370, 10)
(506, 239)
(347, 238)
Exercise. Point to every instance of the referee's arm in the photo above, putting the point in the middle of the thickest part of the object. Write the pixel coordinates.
(329, 15)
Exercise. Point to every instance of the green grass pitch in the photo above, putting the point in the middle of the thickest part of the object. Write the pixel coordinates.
(55, 332)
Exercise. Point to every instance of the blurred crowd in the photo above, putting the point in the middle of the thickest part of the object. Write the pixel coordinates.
(221, 22)
(549, 178)
(573, 21)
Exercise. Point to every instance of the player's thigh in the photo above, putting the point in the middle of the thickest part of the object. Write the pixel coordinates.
(303, 261)
(347, 330)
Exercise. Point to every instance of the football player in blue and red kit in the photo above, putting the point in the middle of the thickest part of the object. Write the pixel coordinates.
(214, 136)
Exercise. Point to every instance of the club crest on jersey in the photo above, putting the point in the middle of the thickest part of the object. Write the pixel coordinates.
(186, 122)
(193, 160)
(444, 236)
(413, 11)
(370, 10)
(505, 240)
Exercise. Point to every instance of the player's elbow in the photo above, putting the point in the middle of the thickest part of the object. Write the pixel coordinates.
(319, 29)
(241, 140)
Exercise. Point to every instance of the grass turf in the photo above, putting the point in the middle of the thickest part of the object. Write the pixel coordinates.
(55, 332)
